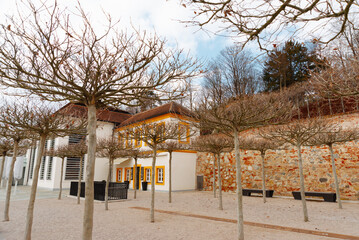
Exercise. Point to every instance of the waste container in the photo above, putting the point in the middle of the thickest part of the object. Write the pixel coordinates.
(144, 186)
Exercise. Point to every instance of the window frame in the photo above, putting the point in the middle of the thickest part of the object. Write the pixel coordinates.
(157, 175)
(127, 175)
(187, 127)
(145, 169)
(118, 176)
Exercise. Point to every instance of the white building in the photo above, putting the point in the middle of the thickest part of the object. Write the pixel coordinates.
(183, 161)
(50, 170)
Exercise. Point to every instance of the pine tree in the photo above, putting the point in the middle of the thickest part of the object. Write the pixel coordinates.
(287, 65)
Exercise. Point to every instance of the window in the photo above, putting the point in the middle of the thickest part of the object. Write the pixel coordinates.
(160, 175)
(49, 164)
(127, 174)
(183, 133)
(73, 168)
(43, 163)
(120, 140)
(148, 173)
(119, 175)
(138, 142)
(73, 163)
(76, 138)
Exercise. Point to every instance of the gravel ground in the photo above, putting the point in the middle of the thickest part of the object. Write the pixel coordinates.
(56, 219)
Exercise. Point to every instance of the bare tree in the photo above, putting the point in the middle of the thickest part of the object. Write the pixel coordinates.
(136, 154)
(298, 133)
(262, 20)
(17, 135)
(5, 147)
(47, 54)
(154, 134)
(216, 144)
(238, 115)
(170, 147)
(331, 136)
(62, 152)
(338, 80)
(262, 145)
(232, 73)
(109, 148)
(41, 121)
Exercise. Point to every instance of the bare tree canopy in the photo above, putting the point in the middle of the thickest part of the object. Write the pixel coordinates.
(333, 135)
(259, 20)
(245, 112)
(214, 143)
(49, 55)
(259, 144)
(298, 133)
(242, 113)
(338, 80)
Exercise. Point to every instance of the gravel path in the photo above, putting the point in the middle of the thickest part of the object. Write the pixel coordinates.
(56, 219)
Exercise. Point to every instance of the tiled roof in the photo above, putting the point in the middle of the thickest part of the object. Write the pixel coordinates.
(107, 115)
(170, 107)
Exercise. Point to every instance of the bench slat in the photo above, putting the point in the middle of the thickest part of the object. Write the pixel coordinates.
(327, 196)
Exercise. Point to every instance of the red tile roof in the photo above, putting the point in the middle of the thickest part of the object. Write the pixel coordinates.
(112, 115)
(170, 107)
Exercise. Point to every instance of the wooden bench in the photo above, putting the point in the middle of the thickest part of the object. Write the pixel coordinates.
(247, 192)
(328, 196)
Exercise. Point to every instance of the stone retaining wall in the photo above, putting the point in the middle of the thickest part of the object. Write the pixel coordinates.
(282, 173)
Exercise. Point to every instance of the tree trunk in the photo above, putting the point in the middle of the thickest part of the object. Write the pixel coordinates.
(219, 182)
(263, 177)
(90, 172)
(214, 176)
(302, 189)
(9, 182)
(35, 179)
(2, 168)
(108, 182)
(152, 212)
(170, 181)
(239, 187)
(61, 176)
(135, 179)
(80, 178)
(334, 169)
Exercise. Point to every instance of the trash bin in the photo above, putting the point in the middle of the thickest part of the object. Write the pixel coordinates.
(144, 186)
(127, 184)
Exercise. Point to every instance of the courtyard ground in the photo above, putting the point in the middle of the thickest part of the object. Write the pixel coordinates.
(192, 215)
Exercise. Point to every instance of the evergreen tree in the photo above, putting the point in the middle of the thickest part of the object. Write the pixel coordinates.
(287, 65)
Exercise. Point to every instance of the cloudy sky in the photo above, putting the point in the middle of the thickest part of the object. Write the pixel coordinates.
(160, 16)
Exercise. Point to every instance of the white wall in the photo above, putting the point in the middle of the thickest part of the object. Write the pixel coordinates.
(104, 130)
(183, 170)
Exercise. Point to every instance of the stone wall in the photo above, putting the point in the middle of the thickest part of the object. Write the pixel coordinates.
(282, 173)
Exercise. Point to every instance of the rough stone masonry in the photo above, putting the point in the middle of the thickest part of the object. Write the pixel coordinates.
(282, 173)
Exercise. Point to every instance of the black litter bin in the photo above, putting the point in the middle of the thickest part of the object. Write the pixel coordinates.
(144, 186)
